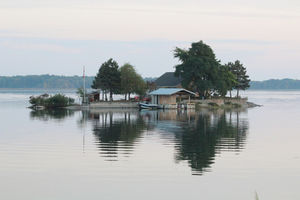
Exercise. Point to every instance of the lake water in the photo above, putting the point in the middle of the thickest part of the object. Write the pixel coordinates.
(123, 154)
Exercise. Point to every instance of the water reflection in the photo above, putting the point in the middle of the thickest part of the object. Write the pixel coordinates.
(197, 137)
(116, 132)
(56, 114)
(207, 135)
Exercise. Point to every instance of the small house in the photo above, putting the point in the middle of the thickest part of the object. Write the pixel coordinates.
(171, 97)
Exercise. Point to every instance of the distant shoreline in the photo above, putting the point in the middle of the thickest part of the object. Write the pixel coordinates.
(55, 82)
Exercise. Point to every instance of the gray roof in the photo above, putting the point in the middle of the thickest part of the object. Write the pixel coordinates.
(168, 79)
(170, 91)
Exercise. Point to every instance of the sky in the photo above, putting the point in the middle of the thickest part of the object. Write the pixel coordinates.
(61, 36)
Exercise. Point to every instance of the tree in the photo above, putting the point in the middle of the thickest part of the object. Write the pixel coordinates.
(241, 77)
(226, 81)
(140, 86)
(108, 78)
(198, 68)
(131, 81)
(128, 82)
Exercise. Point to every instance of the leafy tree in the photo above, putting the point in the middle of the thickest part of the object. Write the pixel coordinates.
(225, 82)
(241, 77)
(128, 79)
(108, 78)
(198, 68)
(140, 86)
(131, 81)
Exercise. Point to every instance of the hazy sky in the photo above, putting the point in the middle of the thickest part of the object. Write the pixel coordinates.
(60, 36)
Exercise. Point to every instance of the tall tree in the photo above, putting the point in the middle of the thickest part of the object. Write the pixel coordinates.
(226, 81)
(241, 77)
(198, 68)
(131, 81)
(108, 78)
(128, 82)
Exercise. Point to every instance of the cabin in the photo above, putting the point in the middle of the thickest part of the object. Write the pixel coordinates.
(168, 80)
(171, 97)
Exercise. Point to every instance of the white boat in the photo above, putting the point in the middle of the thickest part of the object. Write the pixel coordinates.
(149, 106)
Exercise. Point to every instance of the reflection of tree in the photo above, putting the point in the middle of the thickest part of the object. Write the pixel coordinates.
(208, 135)
(49, 114)
(117, 132)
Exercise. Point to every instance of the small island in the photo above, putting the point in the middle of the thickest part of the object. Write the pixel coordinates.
(199, 80)
(46, 101)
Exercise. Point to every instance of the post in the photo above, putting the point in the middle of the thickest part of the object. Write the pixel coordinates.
(83, 84)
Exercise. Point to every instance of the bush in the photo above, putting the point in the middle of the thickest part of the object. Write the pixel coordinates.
(56, 101)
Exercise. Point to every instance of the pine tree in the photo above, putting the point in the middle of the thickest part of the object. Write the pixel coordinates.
(108, 78)
(240, 73)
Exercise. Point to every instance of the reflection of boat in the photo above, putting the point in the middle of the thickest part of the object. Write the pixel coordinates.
(149, 106)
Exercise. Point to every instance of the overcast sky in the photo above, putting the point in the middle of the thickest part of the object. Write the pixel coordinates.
(60, 36)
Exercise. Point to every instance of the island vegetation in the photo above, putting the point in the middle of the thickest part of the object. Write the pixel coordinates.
(46, 101)
(112, 79)
(201, 72)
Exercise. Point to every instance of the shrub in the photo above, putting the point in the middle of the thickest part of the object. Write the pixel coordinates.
(56, 101)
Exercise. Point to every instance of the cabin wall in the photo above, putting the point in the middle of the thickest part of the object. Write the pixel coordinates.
(167, 99)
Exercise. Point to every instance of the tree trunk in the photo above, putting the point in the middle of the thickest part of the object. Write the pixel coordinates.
(238, 93)
(129, 96)
(105, 96)
(110, 96)
(230, 94)
(125, 96)
(102, 95)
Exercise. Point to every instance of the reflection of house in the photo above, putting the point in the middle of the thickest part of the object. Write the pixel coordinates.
(168, 80)
(171, 97)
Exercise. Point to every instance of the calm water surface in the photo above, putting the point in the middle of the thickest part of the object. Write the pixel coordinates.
(125, 154)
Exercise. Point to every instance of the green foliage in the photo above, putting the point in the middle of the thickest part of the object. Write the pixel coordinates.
(108, 78)
(115, 80)
(128, 79)
(202, 72)
(140, 86)
(56, 101)
(131, 81)
(198, 69)
(240, 73)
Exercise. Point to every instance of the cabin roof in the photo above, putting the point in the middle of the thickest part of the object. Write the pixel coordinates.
(170, 91)
(168, 79)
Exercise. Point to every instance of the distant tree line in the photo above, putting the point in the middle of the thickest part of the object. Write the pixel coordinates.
(276, 84)
(201, 72)
(112, 79)
(44, 82)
